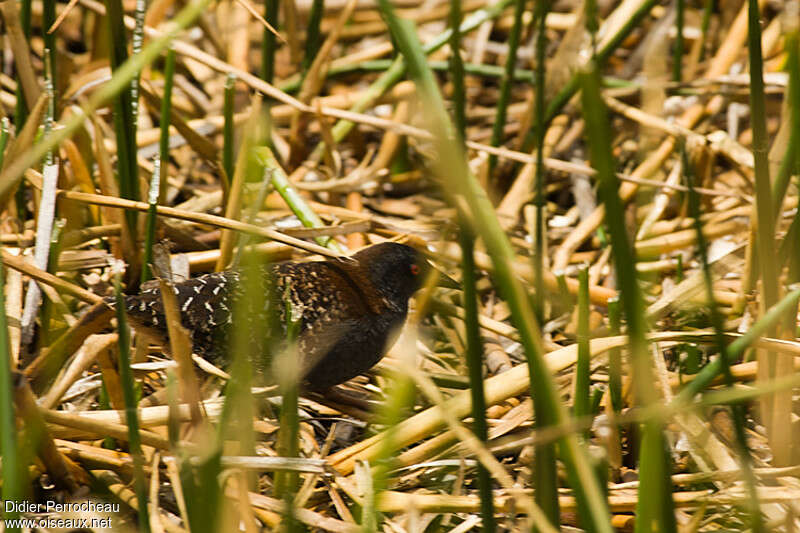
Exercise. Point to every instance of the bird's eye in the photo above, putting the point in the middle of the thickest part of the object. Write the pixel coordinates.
(414, 269)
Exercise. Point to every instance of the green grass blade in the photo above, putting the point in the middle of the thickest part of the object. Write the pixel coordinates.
(268, 41)
(227, 132)
(582, 401)
(498, 128)
(677, 54)
(124, 119)
(166, 111)
(13, 489)
(150, 222)
(313, 34)
(654, 506)
(131, 416)
(717, 322)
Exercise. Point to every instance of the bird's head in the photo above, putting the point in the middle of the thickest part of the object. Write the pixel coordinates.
(395, 269)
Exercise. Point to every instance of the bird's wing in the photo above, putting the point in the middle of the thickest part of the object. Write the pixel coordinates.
(204, 304)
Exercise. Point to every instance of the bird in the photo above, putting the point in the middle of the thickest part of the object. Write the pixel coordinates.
(349, 311)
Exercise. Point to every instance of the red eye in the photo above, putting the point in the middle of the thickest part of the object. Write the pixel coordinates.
(414, 269)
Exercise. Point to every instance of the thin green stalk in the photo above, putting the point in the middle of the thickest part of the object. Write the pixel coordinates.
(5, 127)
(677, 54)
(764, 207)
(296, 203)
(450, 165)
(150, 223)
(313, 34)
(45, 335)
(48, 19)
(708, 7)
(129, 396)
(787, 168)
(791, 160)
(546, 469)
(717, 322)
(166, 112)
(13, 489)
(286, 483)
(541, 10)
(292, 84)
(654, 506)
(124, 119)
(201, 492)
(138, 39)
(475, 367)
(268, 41)
(500, 118)
(227, 131)
(615, 358)
(456, 67)
(173, 421)
(582, 370)
(467, 241)
(778, 406)
(21, 109)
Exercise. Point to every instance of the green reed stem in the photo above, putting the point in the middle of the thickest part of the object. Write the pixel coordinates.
(21, 109)
(5, 128)
(313, 33)
(296, 203)
(791, 160)
(677, 54)
(467, 241)
(708, 7)
(138, 39)
(582, 369)
(540, 17)
(717, 322)
(615, 357)
(500, 117)
(48, 19)
(124, 119)
(166, 112)
(268, 41)
(227, 130)
(654, 504)
(456, 67)
(286, 483)
(150, 222)
(764, 207)
(14, 477)
(129, 396)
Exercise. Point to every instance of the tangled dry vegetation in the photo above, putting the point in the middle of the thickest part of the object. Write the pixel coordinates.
(355, 163)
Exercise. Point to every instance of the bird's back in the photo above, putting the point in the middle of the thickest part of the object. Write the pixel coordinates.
(343, 328)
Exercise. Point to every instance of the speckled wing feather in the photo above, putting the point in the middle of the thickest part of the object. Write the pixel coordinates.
(206, 306)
